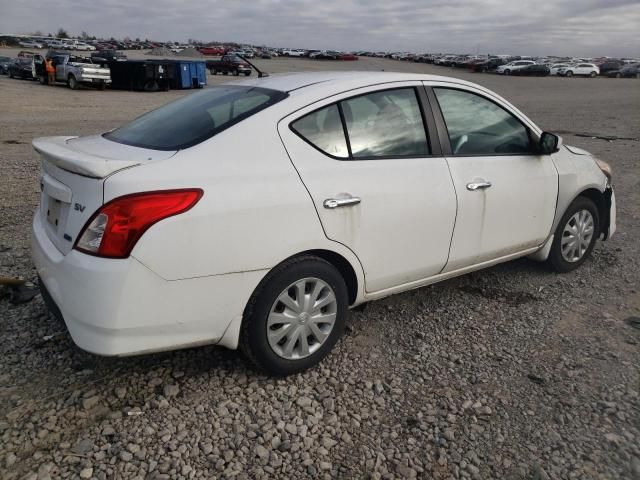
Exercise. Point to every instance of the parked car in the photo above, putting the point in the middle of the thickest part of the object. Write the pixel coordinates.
(212, 51)
(489, 65)
(21, 68)
(581, 69)
(509, 68)
(293, 53)
(74, 71)
(347, 57)
(229, 64)
(105, 56)
(553, 69)
(4, 65)
(631, 70)
(31, 44)
(610, 66)
(325, 55)
(532, 71)
(168, 231)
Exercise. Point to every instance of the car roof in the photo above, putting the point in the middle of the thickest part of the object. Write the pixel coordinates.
(341, 81)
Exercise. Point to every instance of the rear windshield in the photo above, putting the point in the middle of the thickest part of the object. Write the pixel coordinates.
(194, 118)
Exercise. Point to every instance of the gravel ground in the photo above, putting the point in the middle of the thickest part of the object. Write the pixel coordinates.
(513, 372)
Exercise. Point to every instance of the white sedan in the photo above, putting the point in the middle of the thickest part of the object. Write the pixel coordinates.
(174, 230)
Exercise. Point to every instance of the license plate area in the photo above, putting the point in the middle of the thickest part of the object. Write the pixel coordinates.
(54, 208)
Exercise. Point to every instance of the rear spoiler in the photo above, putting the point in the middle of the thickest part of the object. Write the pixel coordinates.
(62, 155)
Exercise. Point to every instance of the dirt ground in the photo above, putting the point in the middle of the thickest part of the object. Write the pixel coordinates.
(513, 372)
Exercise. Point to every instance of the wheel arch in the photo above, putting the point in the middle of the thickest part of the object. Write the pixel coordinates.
(602, 201)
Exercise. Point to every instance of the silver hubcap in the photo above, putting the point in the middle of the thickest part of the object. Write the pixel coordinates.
(301, 318)
(577, 235)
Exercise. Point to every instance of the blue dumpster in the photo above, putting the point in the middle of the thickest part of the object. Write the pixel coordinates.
(188, 74)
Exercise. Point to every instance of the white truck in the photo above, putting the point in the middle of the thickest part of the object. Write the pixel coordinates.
(74, 71)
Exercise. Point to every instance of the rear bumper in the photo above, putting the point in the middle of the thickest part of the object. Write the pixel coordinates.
(120, 307)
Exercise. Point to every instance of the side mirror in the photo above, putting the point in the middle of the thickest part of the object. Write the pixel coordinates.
(549, 143)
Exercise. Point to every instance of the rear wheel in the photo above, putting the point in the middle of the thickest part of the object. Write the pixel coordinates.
(246, 74)
(43, 80)
(507, 72)
(569, 73)
(236, 72)
(618, 75)
(575, 235)
(295, 316)
(213, 71)
(73, 83)
(593, 74)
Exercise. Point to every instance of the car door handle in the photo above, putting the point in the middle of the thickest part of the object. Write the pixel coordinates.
(478, 185)
(332, 203)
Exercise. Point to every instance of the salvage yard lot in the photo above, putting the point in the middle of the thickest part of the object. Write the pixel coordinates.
(512, 372)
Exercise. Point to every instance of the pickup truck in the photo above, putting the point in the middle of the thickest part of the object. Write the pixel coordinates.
(73, 70)
(229, 64)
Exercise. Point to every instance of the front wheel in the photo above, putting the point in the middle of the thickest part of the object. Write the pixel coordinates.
(575, 235)
(295, 317)
(236, 73)
(73, 83)
(43, 80)
(507, 72)
(246, 74)
(593, 74)
(569, 74)
(213, 71)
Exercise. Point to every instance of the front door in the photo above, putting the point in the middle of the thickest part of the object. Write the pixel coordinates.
(506, 192)
(377, 183)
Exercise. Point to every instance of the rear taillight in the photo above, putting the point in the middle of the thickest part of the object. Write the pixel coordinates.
(117, 226)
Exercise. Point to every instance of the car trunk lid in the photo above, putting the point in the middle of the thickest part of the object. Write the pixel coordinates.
(72, 181)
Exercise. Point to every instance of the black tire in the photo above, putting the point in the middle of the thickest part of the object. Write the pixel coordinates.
(507, 72)
(213, 71)
(556, 259)
(10, 74)
(246, 74)
(43, 80)
(236, 72)
(618, 75)
(73, 83)
(569, 73)
(593, 74)
(253, 334)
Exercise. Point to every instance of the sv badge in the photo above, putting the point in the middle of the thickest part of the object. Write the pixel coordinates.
(78, 207)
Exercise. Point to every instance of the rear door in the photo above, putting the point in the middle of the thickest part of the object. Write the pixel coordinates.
(377, 179)
(506, 192)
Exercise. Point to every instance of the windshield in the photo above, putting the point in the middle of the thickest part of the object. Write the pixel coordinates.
(194, 118)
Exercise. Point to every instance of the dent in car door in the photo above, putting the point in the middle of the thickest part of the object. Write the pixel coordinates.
(395, 212)
(506, 193)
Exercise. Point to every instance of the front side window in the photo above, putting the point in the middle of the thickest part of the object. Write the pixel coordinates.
(194, 118)
(477, 126)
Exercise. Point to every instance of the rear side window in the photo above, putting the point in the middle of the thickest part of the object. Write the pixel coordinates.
(323, 129)
(384, 124)
(477, 126)
(195, 118)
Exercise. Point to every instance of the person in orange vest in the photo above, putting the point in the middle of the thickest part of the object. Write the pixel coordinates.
(51, 71)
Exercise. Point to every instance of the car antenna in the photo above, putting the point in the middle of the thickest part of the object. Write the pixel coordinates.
(260, 72)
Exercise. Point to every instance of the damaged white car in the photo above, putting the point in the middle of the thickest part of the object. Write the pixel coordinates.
(255, 214)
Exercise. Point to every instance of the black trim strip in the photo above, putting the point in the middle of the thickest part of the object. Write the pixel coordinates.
(441, 126)
(429, 122)
(344, 129)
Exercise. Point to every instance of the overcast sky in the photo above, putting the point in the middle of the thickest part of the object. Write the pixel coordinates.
(569, 27)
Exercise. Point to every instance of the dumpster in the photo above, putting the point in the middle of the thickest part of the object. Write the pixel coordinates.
(146, 75)
(188, 74)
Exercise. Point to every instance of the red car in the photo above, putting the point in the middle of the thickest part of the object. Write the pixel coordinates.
(348, 57)
(212, 50)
